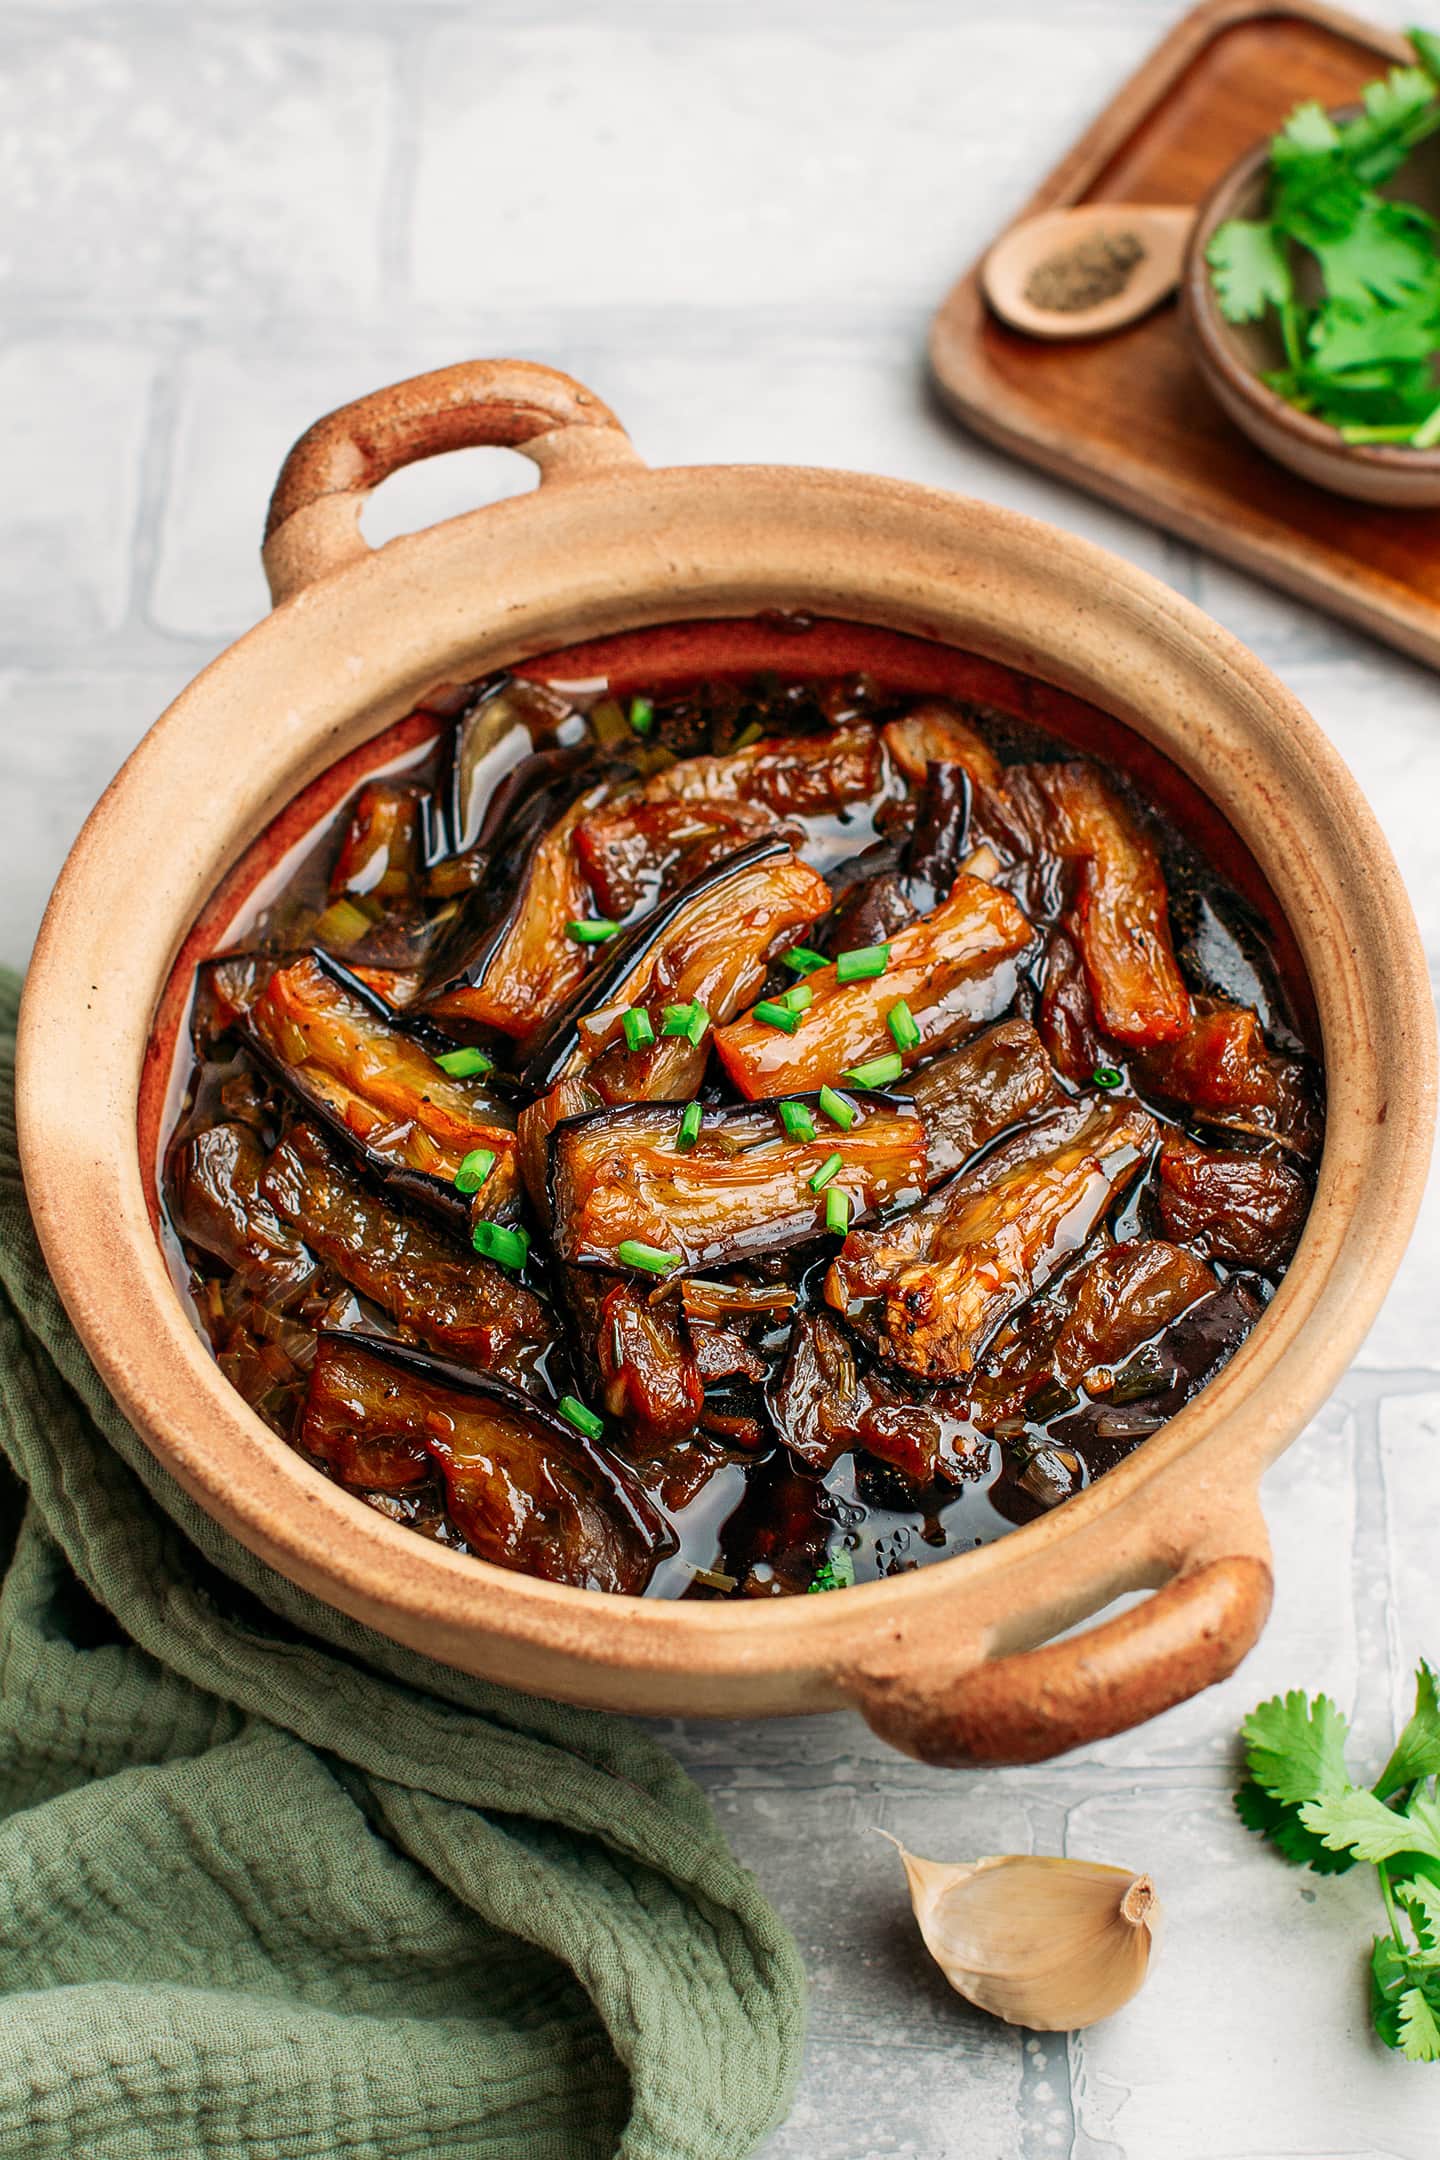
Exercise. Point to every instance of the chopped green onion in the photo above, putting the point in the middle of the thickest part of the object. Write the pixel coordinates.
(690, 1021)
(598, 932)
(878, 1072)
(464, 1064)
(1427, 434)
(642, 715)
(474, 1170)
(689, 1131)
(837, 1212)
(901, 1023)
(861, 962)
(583, 1419)
(828, 1169)
(639, 1033)
(797, 1120)
(509, 1247)
(631, 1253)
(839, 1111)
(751, 733)
(1107, 1076)
(803, 960)
(773, 1015)
(341, 924)
(800, 997)
(836, 1573)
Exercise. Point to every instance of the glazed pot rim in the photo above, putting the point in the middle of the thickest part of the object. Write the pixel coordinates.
(613, 549)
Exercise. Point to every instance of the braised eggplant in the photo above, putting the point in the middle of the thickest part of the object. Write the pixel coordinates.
(378, 1089)
(738, 1186)
(458, 1303)
(951, 970)
(523, 1488)
(736, 1140)
(934, 1284)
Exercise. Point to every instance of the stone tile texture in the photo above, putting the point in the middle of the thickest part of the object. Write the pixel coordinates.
(733, 223)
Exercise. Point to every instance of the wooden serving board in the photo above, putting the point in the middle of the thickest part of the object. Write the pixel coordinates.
(1129, 416)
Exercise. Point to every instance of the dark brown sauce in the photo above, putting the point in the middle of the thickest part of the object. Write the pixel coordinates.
(759, 1522)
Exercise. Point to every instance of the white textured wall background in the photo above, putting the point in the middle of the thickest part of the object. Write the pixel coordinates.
(218, 220)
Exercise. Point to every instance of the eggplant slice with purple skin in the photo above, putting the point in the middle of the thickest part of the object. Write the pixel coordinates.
(708, 948)
(969, 1096)
(933, 1285)
(522, 1486)
(375, 1086)
(459, 1304)
(740, 1188)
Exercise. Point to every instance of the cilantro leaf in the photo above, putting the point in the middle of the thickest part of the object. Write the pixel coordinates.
(1295, 1746)
(1358, 1822)
(1421, 1901)
(1249, 269)
(1419, 2026)
(1309, 129)
(1279, 1820)
(1417, 1751)
(1387, 254)
(1389, 1978)
(1427, 51)
(1395, 118)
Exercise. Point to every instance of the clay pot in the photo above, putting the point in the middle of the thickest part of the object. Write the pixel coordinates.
(953, 1662)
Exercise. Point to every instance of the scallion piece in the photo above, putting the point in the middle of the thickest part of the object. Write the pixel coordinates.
(803, 960)
(797, 1120)
(642, 715)
(1107, 1076)
(830, 1168)
(630, 1252)
(861, 962)
(598, 932)
(464, 1064)
(776, 1016)
(509, 1247)
(474, 1170)
(876, 1072)
(639, 1033)
(901, 1023)
(689, 1131)
(690, 1021)
(582, 1418)
(837, 1212)
(799, 998)
(839, 1111)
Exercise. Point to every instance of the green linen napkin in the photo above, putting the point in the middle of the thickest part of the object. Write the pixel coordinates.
(272, 1887)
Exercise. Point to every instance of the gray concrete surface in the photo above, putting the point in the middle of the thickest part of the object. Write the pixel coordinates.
(220, 220)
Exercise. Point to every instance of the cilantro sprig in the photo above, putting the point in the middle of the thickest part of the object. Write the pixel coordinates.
(1351, 277)
(1300, 1794)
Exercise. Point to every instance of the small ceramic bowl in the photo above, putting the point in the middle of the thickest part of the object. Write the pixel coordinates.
(1234, 356)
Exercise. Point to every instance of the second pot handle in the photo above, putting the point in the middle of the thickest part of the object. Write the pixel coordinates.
(1028, 1705)
(313, 526)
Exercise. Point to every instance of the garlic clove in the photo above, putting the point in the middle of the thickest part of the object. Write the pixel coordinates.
(1041, 1941)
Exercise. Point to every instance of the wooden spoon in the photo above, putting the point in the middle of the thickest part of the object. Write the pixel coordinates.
(1162, 230)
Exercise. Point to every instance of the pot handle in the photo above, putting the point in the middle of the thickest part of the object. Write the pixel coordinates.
(313, 525)
(1028, 1705)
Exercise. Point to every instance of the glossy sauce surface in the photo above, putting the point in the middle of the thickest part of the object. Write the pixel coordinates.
(1057, 1209)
